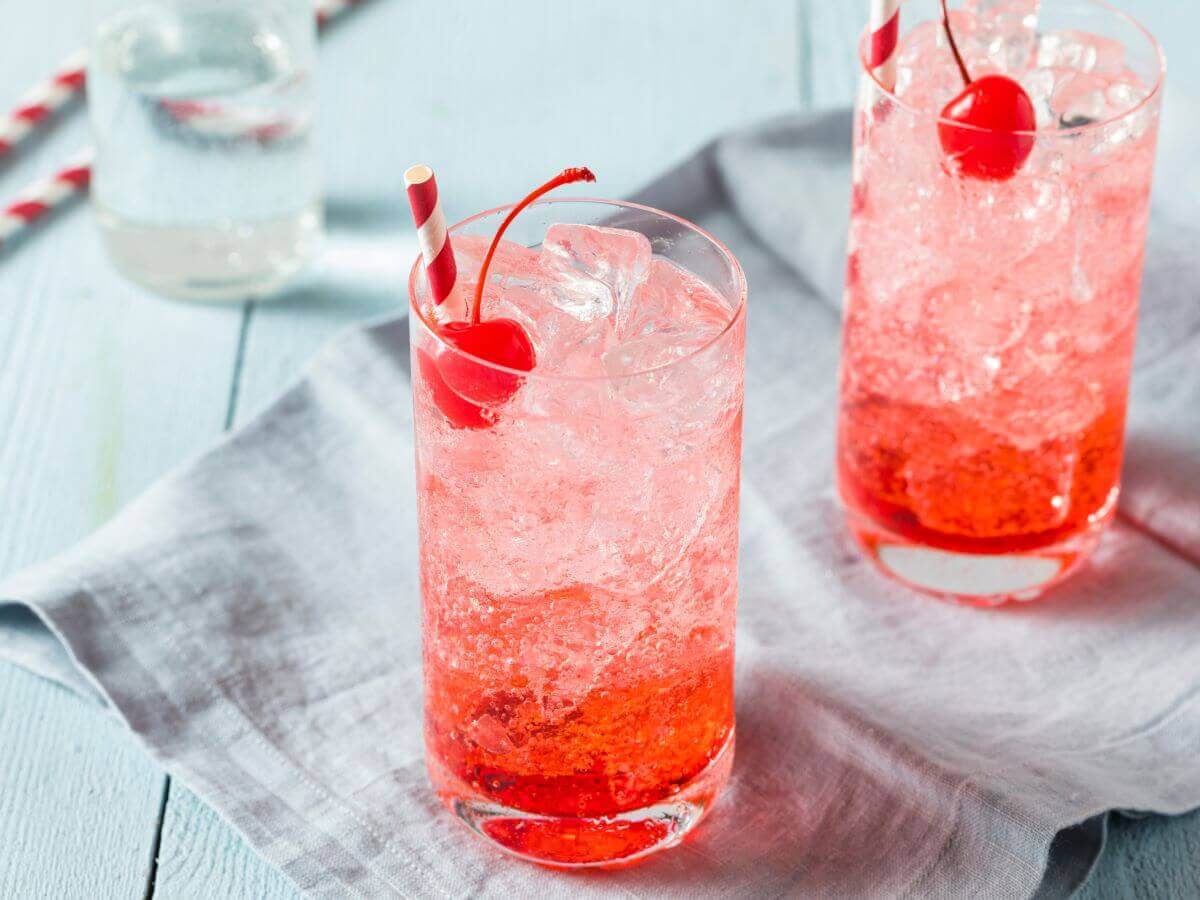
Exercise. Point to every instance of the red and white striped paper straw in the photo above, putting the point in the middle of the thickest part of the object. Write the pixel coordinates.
(883, 35)
(42, 100)
(44, 195)
(449, 299)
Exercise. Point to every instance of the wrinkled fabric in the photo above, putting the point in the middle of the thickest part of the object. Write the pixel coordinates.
(254, 617)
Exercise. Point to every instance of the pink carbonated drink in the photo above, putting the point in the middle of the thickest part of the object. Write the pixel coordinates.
(578, 531)
(992, 294)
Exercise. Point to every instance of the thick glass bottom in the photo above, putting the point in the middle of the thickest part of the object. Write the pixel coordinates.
(215, 262)
(987, 579)
(615, 841)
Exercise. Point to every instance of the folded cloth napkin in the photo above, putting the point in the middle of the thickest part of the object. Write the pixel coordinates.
(254, 618)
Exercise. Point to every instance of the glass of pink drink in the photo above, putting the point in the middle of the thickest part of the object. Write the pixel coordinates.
(992, 293)
(579, 532)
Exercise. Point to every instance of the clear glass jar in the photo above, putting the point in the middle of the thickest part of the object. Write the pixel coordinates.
(205, 180)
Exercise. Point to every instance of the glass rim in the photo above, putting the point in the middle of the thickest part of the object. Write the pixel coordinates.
(735, 267)
(1150, 97)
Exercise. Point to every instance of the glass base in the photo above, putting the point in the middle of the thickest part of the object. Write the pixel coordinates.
(616, 841)
(976, 578)
(213, 263)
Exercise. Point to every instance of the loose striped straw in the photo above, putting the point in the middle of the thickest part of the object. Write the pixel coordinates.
(42, 100)
(884, 33)
(449, 299)
(41, 197)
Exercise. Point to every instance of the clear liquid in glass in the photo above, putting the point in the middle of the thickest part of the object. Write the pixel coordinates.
(205, 181)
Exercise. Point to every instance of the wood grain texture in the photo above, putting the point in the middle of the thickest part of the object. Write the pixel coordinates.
(102, 389)
(79, 800)
(829, 41)
(1155, 858)
(212, 862)
(499, 96)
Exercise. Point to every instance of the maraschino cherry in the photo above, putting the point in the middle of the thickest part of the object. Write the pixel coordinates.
(986, 130)
(463, 389)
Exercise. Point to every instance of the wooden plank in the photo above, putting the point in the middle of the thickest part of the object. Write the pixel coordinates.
(79, 800)
(830, 39)
(627, 88)
(102, 389)
(501, 95)
(212, 861)
(1148, 859)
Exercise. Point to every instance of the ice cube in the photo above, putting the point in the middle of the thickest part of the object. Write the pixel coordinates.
(512, 260)
(978, 317)
(1007, 32)
(925, 73)
(674, 311)
(580, 296)
(1040, 85)
(988, 9)
(602, 267)
(1124, 96)
(1080, 52)
(1078, 99)
(573, 325)
(663, 364)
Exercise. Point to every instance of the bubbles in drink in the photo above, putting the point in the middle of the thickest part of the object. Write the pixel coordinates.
(579, 556)
(989, 324)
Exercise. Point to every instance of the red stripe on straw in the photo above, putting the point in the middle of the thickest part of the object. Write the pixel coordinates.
(423, 198)
(27, 209)
(440, 267)
(43, 196)
(443, 273)
(883, 41)
(32, 114)
(79, 176)
(73, 80)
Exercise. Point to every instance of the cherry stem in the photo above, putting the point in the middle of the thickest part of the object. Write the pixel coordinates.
(962, 66)
(566, 176)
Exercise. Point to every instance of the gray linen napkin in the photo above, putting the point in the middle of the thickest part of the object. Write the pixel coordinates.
(254, 618)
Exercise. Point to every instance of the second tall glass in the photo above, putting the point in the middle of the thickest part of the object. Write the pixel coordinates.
(991, 303)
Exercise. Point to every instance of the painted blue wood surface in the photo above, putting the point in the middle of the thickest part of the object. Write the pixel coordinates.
(103, 387)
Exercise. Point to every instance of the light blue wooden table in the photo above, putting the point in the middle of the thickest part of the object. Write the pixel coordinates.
(104, 387)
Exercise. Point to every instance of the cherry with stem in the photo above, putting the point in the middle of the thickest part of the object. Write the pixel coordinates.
(986, 131)
(463, 388)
